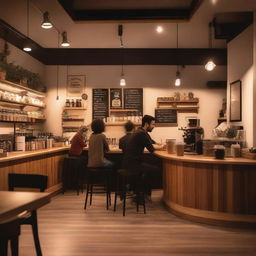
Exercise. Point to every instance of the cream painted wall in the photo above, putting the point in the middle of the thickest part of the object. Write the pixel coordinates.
(241, 66)
(157, 81)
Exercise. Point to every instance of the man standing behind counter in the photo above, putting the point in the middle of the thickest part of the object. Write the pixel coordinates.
(132, 159)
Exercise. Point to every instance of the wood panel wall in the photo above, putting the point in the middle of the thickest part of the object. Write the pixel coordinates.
(211, 188)
(47, 164)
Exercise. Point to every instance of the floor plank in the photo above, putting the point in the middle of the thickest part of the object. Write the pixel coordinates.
(67, 230)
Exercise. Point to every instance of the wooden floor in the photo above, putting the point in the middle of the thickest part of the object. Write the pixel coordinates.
(67, 230)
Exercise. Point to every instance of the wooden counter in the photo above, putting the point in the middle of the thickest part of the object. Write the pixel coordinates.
(46, 162)
(207, 190)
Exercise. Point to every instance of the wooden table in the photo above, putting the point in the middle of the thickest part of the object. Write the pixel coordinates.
(12, 203)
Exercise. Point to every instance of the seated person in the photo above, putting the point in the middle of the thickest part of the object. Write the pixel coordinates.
(123, 142)
(98, 146)
(132, 159)
(78, 142)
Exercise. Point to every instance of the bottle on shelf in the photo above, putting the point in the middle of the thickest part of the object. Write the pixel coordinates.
(73, 103)
(67, 103)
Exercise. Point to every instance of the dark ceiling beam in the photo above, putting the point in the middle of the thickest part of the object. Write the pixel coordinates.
(141, 15)
(133, 56)
(16, 38)
(112, 56)
(129, 15)
(229, 25)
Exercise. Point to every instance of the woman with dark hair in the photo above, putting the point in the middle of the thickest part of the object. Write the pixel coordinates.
(98, 146)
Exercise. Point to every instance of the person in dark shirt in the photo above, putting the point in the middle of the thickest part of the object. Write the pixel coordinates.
(123, 142)
(139, 140)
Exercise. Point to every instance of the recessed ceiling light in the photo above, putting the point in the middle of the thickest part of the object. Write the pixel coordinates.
(159, 29)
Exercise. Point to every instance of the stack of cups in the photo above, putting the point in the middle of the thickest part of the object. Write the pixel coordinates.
(170, 146)
(180, 149)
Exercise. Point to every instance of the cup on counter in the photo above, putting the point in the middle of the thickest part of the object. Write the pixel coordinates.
(180, 149)
(170, 146)
(219, 152)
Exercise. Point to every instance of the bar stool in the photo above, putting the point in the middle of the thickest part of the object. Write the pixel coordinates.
(9, 231)
(98, 177)
(73, 173)
(124, 178)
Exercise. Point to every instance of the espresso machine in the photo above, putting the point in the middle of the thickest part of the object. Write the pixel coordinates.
(192, 136)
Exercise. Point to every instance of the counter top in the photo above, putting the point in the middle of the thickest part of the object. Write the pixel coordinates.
(204, 159)
(19, 155)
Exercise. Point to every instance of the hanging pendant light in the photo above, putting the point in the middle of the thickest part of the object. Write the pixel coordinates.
(120, 34)
(46, 24)
(65, 42)
(27, 47)
(177, 80)
(210, 65)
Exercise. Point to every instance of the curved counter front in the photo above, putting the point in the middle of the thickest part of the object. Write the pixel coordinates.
(207, 190)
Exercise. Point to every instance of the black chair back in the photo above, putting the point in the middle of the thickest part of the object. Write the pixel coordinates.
(16, 180)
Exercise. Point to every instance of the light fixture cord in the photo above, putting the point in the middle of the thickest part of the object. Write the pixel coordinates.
(27, 18)
(58, 68)
(177, 40)
(210, 35)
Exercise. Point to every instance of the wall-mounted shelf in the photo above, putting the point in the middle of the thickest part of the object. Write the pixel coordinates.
(72, 119)
(13, 87)
(34, 120)
(120, 123)
(123, 110)
(190, 105)
(74, 108)
(20, 103)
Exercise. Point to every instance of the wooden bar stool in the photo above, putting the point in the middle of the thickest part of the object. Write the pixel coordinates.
(98, 177)
(125, 178)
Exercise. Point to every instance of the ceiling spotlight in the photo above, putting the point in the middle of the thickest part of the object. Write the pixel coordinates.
(27, 47)
(65, 42)
(46, 21)
(210, 65)
(177, 80)
(159, 29)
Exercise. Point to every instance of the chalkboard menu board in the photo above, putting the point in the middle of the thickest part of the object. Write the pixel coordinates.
(133, 99)
(115, 98)
(166, 117)
(99, 103)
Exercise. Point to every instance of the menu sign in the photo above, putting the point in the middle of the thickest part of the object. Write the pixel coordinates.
(166, 117)
(99, 103)
(133, 99)
(115, 98)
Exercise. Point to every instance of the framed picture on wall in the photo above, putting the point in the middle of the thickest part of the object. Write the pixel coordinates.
(75, 85)
(236, 101)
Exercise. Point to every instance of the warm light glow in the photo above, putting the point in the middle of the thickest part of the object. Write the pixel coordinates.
(27, 49)
(159, 29)
(209, 66)
(65, 42)
(177, 82)
(122, 81)
(46, 24)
